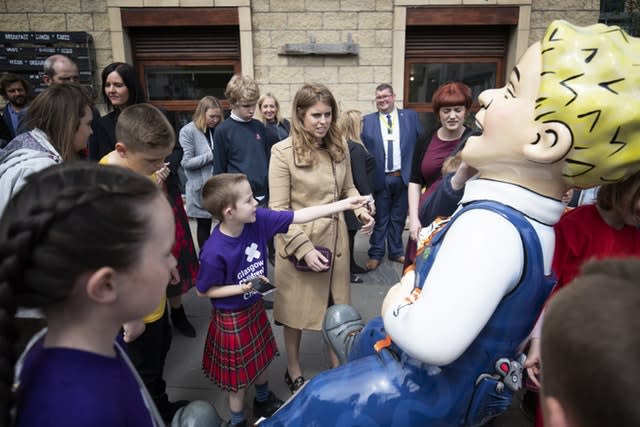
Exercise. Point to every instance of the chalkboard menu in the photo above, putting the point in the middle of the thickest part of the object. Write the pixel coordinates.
(24, 53)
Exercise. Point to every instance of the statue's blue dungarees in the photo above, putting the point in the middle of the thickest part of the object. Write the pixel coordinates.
(389, 388)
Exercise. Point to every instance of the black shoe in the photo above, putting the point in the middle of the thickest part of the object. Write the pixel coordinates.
(268, 305)
(294, 385)
(267, 407)
(356, 279)
(169, 409)
(357, 269)
(181, 323)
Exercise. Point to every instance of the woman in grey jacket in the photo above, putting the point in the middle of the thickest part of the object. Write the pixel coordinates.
(196, 139)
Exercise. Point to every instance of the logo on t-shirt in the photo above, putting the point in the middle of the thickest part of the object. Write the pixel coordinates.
(252, 252)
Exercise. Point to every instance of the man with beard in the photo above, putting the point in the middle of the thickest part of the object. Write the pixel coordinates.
(15, 90)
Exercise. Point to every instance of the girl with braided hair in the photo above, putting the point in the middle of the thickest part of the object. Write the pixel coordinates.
(59, 120)
(68, 250)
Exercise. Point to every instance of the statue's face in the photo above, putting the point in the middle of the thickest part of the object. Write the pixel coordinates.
(506, 117)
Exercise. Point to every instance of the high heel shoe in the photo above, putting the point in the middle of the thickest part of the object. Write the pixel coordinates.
(294, 385)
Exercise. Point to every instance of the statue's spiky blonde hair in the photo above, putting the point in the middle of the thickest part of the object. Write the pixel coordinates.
(591, 82)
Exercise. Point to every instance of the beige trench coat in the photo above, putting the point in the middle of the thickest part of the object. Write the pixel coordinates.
(303, 297)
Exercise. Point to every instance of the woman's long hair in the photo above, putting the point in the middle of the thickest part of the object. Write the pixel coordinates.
(350, 125)
(304, 143)
(130, 80)
(199, 116)
(57, 112)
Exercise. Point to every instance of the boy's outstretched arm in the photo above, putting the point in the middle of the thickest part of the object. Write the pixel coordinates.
(315, 212)
(225, 290)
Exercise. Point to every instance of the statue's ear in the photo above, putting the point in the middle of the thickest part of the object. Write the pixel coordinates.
(553, 142)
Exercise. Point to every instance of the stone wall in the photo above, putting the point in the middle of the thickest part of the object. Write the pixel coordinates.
(578, 12)
(372, 24)
(352, 79)
(62, 15)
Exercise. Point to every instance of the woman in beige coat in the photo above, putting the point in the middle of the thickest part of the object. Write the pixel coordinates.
(309, 168)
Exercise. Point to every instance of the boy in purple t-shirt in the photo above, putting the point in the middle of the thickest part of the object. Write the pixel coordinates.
(240, 344)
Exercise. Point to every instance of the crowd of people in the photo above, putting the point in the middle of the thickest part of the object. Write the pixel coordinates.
(100, 251)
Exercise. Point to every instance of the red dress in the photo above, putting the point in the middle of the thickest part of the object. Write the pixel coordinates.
(581, 235)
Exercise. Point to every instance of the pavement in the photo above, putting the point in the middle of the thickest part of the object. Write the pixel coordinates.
(184, 376)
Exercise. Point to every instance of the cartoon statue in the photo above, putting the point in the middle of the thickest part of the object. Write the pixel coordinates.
(444, 352)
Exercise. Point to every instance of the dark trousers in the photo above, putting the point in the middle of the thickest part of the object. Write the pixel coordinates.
(391, 215)
(203, 231)
(148, 354)
(352, 240)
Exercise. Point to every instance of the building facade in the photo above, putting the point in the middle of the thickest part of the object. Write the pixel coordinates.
(185, 49)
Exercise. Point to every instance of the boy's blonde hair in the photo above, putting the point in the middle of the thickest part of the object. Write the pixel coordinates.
(143, 126)
(590, 83)
(220, 192)
(241, 88)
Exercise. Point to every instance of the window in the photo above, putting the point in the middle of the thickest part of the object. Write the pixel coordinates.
(183, 54)
(441, 47)
(625, 14)
(438, 55)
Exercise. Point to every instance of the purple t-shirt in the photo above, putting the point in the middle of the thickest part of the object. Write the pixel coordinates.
(227, 260)
(69, 387)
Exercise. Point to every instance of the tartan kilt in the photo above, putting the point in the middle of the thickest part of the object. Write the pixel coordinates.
(239, 346)
(183, 249)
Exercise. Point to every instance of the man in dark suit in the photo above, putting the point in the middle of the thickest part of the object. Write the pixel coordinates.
(15, 90)
(390, 135)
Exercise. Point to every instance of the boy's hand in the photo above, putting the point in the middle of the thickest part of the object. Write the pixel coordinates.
(162, 174)
(316, 261)
(367, 223)
(462, 175)
(533, 361)
(132, 330)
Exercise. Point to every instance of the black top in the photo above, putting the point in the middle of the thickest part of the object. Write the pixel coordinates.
(276, 132)
(363, 169)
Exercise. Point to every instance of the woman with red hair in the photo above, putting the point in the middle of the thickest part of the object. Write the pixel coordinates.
(451, 103)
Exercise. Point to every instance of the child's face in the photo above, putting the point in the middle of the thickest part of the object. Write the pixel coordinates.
(245, 108)
(245, 209)
(507, 117)
(148, 161)
(145, 283)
